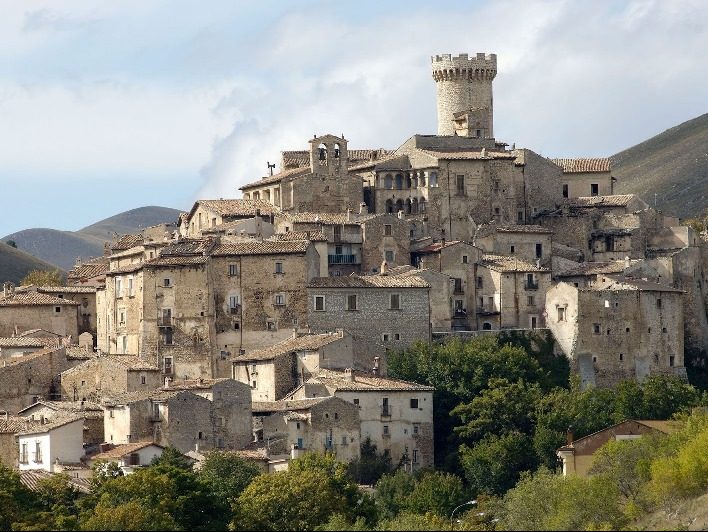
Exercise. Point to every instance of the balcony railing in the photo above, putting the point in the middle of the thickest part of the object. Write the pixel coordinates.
(165, 321)
(342, 259)
(531, 285)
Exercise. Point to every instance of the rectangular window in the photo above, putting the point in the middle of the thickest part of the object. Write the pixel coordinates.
(124, 340)
(166, 365)
(530, 301)
(319, 303)
(388, 230)
(168, 336)
(166, 317)
(233, 270)
(121, 316)
(385, 337)
(166, 282)
(389, 256)
(396, 336)
(142, 379)
(213, 222)
(415, 456)
(561, 313)
(395, 302)
(386, 430)
(458, 285)
(278, 267)
(131, 291)
(337, 233)
(672, 359)
(512, 249)
(460, 180)
(234, 304)
(271, 326)
(57, 310)
(24, 458)
(414, 403)
(279, 300)
(594, 189)
(464, 259)
(300, 444)
(596, 328)
(352, 302)
(479, 282)
(539, 251)
(385, 410)
(119, 287)
(38, 452)
(565, 190)
(416, 428)
(658, 303)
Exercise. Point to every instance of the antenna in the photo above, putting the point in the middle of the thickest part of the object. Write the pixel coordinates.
(270, 167)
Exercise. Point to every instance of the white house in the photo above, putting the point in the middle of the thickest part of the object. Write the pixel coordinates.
(131, 456)
(45, 445)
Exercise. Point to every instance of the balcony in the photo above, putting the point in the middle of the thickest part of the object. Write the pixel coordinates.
(342, 259)
(487, 310)
(165, 321)
(385, 411)
(531, 285)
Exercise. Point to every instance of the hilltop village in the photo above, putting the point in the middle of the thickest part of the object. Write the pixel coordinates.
(262, 325)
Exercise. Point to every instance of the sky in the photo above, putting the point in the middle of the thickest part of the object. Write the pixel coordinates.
(107, 106)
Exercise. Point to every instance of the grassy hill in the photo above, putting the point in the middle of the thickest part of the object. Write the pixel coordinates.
(15, 264)
(673, 165)
(61, 248)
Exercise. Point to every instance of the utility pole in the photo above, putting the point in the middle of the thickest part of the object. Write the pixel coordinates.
(271, 167)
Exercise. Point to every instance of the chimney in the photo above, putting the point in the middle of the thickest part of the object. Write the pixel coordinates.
(363, 209)
(569, 436)
(348, 375)
(168, 381)
(484, 152)
(384, 268)
(349, 214)
(6, 415)
(196, 447)
(294, 332)
(400, 215)
(375, 369)
(627, 262)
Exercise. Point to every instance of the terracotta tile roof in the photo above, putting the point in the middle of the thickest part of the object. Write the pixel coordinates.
(254, 451)
(338, 381)
(619, 200)
(437, 246)
(313, 236)
(24, 341)
(67, 289)
(616, 282)
(128, 268)
(76, 352)
(33, 299)
(277, 178)
(594, 268)
(570, 166)
(301, 158)
(189, 246)
(119, 451)
(329, 218)
(287, 405)
(31, 357)
(237, 207)
(13, 424)
(132, 363)
(125, 242)
(504, 263)
(41, 428)
(523, 229)
(390, 161)
(126, 398)
(369, 281)
(88, 270)
(45, 333)
(265, 247)
(31, 479)
(469, 154)
(308, 342)
(176, 261)
(197, 384)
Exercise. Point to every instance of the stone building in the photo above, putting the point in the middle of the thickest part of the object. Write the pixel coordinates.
(324, 186)
(396, 415)
(89, 273)
(382, 312)
(356, 242)
(511, 293)
(85, 296)
(209, 214)
(586, 177)
(276, 370)
(528, 242)
(22, 310)
(9, 449)
(109, 374)
(323, 424)
(92, 413)
(618, 329)
(18, 346)
(130, 457)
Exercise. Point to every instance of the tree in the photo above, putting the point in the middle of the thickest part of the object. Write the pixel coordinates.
(227, 474)
(436, 493)
(370, 466)
(131, 515)
(17, 503)
(494, 464)
(43, 278)
(410, 521)
(392, 491)
(11, 243)
(172, 457)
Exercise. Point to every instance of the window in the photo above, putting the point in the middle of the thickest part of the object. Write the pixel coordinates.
(57, 310)
(233, 270)
(253, 384)
(121, 316)
(530, 301)
(337, 233)
(356, 402)
(278, 267)
(512, 249)
(539, 251)
(596, 328)
(561, 313)
(416, 428)
(460, 181)
(520, 216)
(168, 336)
(319, 303)
(271, 326)
(131, 291)
(344, 440)
(119, 287)
(663, 329)
(389, 256)
(565, 190)
(385, 337)
(385, 411)
(594, 189)
(395, 302)
(388, 230)
(479, 282)
(124, 341)
(351, 302)
(213, 222)
(167, 282)
(672, 360)
(415, 456)
(234, 304)
(414, 403)
(658, 303)
(279, 300)
(621, 357)
(386, 431)
(38, 452)
(200, 435)
(464, 259)
(23, 454)
(300, 444)
(458, 286)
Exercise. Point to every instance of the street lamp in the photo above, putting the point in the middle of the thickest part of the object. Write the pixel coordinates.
(452, 515)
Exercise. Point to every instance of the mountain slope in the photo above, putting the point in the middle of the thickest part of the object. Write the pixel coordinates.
(130, 222)
(673, 165)
(15, 264)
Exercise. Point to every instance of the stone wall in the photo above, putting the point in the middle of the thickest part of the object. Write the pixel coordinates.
(26, 317)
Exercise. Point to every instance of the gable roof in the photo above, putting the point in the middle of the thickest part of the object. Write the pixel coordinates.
(119, 451)
(277, 178)
(41, 428)
(330, 218)
(313, 236)
(264, 247)
(504, 263)
(338, 381)
(85, 408)
(88, 270)
(663, 425)
(570, 166)
(369, 281)
(287, 405)
(515, 228)
(617, 200)
(235, 207)
(308, 342)
(33, 299)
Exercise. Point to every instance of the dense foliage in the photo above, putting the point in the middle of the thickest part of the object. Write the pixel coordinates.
(43, 278)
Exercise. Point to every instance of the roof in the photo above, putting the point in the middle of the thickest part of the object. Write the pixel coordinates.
(132, 363)
(504, 263)
(301, 158)
(48, 334)
(126, 398)
(287, 405)
(625, 283)
(31, 479)
(618, 200)
(365, 382)
(571, 166)
(368, 281)
(481, 154)
(32, 356)
(76, 289)
(236, 207)
(175, 260)
(594, 268)
(33, 299)
(437, 246)
(41, 428)
(308, 342)
(257, 247)
(276, 178)
(126, 242)
(120, 451)
(197, 384)
(313, 236)
(78, 352)
(12, 424)
(87, 270)
(523, 229)
(256, 450)
(661, 425)
(21, 341)
(330, 219)
(188, 246)
(86, 408)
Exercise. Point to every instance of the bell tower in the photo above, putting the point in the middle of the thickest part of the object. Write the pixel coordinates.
(328, 155)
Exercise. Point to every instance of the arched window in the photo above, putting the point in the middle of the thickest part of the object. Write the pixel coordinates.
(421, 205)
(256, 195)
(337, 150)
(399, 181)
(414, 206)
(389, 206)
(409, 206)
(399, 205)
(388, 182)
(322, 152)
(433, 181)
(422, 179)
(409, 181)
(486, 326)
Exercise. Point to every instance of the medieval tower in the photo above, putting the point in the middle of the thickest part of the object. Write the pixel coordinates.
(464, 87)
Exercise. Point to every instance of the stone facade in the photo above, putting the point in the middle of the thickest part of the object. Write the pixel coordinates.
(22, 309)
(532, 243)
(586, 177)
(618, 329)
(50, 411)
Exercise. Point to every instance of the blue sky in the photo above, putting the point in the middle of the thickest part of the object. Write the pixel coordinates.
(108, 106)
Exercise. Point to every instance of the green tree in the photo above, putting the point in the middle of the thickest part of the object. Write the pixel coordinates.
(392, 491)
(43, 278)
(411, 521)
(340, 522)
(131, 515)
(436, 493)
(11, 243)
(227, 474)
(172, 457)
(17, 503)
(494, 464)
(665, 395)
(370, 466)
